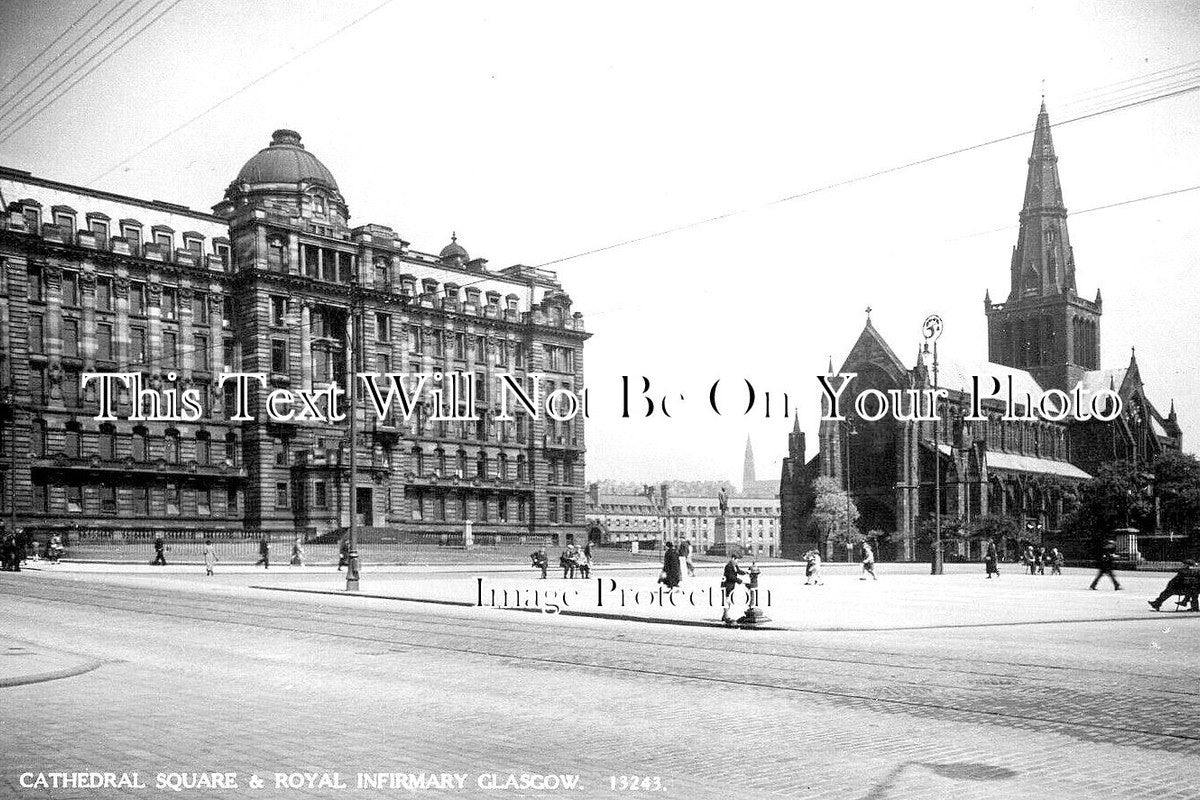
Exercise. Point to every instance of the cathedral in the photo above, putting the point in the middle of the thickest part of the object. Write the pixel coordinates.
(1043, 336)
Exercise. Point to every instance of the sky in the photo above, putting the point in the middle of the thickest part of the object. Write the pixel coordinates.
(539, 131)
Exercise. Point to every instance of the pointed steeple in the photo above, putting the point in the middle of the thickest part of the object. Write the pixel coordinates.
(796, 419)
(1171, 415)
(830, 372)
(1043, 263)
(748, 471)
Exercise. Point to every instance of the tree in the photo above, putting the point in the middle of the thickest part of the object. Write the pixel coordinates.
(994, 526)
(1116, 497)
(1177, 486)
(834, 515)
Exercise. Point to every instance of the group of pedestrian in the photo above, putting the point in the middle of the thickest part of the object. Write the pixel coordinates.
(1036, 561)
(575, 559)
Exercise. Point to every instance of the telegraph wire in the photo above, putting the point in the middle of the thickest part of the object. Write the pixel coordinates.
(29, 64)
(244, 88)
(72, 52)
(9, 132)
(1133, 103)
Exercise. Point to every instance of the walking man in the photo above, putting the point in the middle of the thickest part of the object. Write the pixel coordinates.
(264, 552)
(159, 547)
(868, 562)
(1104, 564)
(728, 583)
(1056, 561)
(812, 568)
(685, 552)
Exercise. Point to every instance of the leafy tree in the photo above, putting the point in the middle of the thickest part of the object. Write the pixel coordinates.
(1116, 497)
(1177, 486)
(834, 516)
(994, 526)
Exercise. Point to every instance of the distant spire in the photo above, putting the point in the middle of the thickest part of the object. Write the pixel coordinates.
(1132, 355)
(1098, 299)
(830, 372)
(1171, 413)
(868, 313)
(796, 418)
(748, 471)
(987, 297)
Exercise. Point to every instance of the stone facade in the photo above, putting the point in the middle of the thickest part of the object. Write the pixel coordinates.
(273, 281)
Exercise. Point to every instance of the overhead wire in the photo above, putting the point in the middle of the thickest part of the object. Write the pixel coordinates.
(10, 131)
(29, 64)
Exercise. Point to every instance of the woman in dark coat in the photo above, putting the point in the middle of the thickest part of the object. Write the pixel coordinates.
(989, 560)
(672, 576)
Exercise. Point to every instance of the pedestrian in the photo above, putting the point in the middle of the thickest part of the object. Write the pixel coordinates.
(160, 548)
(990, 560)
(1185, 582)
(343, 552)
(1041, 559)
(1105, 563)
(297, 553)
(812, 568)
(539, 559)
(1056, 561)
(1029, 559)
(55, 548)
(264, 552)
(729, 582)
(685, 552)
(210, 556)
(868, 562)
(8, 553)
(671, 575)
(567, 560)
(584, 561)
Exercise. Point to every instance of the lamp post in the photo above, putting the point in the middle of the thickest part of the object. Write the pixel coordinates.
(352, 565)
(932, 330)
(850, 431)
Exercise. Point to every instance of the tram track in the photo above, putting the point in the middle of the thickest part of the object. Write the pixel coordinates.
(522, 642)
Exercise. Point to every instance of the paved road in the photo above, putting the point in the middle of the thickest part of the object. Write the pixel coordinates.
(221, 677)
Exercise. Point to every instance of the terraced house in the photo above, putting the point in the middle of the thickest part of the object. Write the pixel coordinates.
(270, 282)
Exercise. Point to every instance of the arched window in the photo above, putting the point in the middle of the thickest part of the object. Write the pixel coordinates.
(231, 449)
(440, 469)
(462, 464)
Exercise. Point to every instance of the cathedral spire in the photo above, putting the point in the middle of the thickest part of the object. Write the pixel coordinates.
(748, 472)
(1043, 263)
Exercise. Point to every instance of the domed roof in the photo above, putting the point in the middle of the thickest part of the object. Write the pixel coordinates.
(285, 161)
(453, 249)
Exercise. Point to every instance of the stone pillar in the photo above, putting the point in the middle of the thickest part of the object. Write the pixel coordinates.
(306, 370)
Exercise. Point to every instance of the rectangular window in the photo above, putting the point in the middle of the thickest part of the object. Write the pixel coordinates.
(418, 507)
(33, 219)
(75, 499)
(70, 288)
(231, 499)
(223, 254)
(104, 341)
(228, 355)
(502, 509)
(174, 499)
(552, 509)
(37, 334)
(170, 304)
(278, 311)
(320, 495)
(194, 245)
(568, 509)
(70, 337)
(65, 221)
(137, 345)
(200, 308)
(100, 228)
(200, 354)
(170, 348)
(383, 328)
(36, 282)
(104, 294)
(281, 495)
(108, 499)
(164, 240)
(204, 501)
(279, 360)
(137, 299)
(133, 235)
(141, 501)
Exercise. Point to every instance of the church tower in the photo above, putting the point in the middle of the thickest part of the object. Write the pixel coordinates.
(748, 471)
(1044, 326)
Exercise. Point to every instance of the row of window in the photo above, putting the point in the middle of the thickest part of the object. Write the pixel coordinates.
(167, 356)
(140, 297)
(168, 499)
(139, 445)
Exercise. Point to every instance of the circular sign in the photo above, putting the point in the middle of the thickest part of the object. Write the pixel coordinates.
(932, 329)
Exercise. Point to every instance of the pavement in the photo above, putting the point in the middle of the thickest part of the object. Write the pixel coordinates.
(912, 686)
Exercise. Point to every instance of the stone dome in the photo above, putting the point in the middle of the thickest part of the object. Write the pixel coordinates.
(454, 250)
(285, 161)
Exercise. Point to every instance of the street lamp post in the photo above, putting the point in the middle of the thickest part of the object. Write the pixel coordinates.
(850, 431)
(932, 330)
(352, 565)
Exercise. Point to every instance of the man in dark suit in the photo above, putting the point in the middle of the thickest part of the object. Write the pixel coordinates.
(1185, 582)
(728, 584)
(1104, 565)
(159, 547)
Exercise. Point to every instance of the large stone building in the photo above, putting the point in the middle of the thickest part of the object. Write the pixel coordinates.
(270, 282)
(1044, 336)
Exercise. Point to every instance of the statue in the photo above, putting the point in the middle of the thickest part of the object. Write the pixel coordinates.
(723, 501)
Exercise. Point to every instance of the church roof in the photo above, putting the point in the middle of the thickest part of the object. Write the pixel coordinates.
(957, 374)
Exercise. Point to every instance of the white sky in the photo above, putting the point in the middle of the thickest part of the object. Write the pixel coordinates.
(540, 130)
